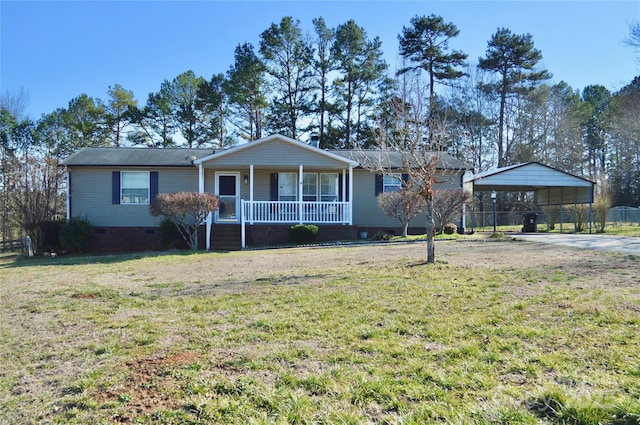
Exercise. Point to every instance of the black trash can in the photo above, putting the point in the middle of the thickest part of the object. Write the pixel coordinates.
(529, 222)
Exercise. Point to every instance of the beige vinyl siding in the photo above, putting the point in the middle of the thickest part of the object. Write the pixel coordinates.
(366, 212)
(281, 155)
(91, 195)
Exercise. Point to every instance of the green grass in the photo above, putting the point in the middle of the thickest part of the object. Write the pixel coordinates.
(402, 342)
(618, 229)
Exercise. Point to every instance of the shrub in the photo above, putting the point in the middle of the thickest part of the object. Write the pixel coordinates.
(188, 210)
(382, 236)
(51, 236)
(75, 235)
(303, 233)
(403, 205)
(169, 234)
(450, 229)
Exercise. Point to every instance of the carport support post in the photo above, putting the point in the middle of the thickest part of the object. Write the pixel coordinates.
(548, 209)
(561, 204)
(590, 215)
(575, 207)
(493, 201)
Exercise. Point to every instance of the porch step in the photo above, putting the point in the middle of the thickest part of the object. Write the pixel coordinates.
(226, 237)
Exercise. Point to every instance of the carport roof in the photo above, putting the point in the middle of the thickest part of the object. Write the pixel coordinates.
(553, 186)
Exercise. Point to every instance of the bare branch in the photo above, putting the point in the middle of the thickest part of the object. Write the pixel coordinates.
(187, 210)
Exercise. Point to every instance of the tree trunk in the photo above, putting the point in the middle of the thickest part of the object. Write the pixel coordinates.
(431, 249)
(405, 229)
(501, 155)
(194, 240)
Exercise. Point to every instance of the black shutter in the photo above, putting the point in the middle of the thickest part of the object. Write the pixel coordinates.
(153, 186)
(405, 179)
(379, 183)
(346, 182)
(274, 186)
(115, 187)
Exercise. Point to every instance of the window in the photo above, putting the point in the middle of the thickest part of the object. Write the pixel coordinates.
(326, 190)
(134, 187)
(287, 186)
(329, 187)
(392, 183)
(309, 187)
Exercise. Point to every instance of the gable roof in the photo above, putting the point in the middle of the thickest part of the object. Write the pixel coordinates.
(188, 157)
(275, 138)
(553, 186)
(135, 157)
(527, 176)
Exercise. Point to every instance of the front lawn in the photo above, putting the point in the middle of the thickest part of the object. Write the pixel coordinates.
(503, 332)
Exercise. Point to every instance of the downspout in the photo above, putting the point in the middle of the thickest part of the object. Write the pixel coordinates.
(351, 177)
(68, 193)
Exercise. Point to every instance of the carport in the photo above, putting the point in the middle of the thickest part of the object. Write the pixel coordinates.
(551, 187)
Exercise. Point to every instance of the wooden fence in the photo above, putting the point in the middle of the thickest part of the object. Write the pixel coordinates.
(15, 245)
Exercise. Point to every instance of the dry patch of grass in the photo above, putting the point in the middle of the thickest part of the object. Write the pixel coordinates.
(495, 332)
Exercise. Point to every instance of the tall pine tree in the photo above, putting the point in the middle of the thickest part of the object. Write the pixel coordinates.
(287, 56)
(513, 59)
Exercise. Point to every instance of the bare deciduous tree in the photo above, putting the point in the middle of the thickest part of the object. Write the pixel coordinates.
(602, 202)
(187, 210)
(447, 203)
(405, 150)
(633, 39)
(404, 205)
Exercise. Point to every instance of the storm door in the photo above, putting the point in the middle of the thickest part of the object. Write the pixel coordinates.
(228, 190)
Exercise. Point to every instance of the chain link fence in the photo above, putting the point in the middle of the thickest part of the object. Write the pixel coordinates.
(567, 219)
(623, 215)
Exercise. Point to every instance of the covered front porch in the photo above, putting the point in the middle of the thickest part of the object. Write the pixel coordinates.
(277, 181)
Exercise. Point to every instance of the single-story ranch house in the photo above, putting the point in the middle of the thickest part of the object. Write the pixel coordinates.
(264, 186)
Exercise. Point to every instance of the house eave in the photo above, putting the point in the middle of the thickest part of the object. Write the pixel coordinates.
(253, 144)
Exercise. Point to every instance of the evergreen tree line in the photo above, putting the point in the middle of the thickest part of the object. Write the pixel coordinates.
(334, 83)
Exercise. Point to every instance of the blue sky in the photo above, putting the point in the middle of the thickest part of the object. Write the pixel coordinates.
(58, 50)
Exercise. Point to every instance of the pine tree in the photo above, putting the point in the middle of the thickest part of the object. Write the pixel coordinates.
(513, 58)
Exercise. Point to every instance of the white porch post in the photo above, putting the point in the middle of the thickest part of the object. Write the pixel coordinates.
(200, 178)
(344, 192)
(208, 241)
(464, 216)
(300, 193)
(350, 195)
(250, 194)
(210, 215)
(243, 224)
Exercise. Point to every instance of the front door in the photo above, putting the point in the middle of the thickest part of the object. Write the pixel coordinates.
(228, 190)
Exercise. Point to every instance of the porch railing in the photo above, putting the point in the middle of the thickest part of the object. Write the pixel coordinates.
(296, 212)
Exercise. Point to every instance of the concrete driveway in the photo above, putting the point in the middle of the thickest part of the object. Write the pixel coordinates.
(623, 244)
